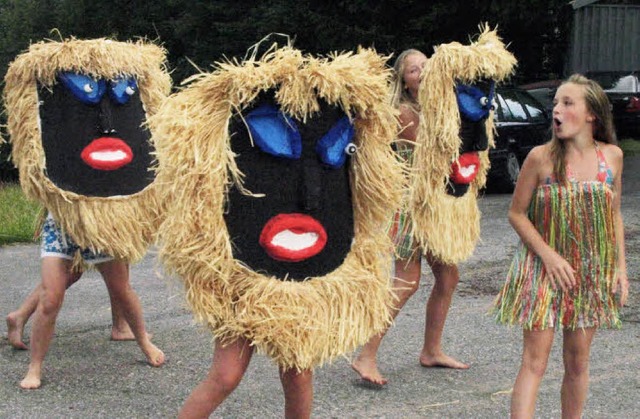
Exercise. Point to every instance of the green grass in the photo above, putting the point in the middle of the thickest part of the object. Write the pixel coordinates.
(630, 147)
(17, 215)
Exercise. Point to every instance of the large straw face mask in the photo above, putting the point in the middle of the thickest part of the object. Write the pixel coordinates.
(77, 113)
(455, 131)
(280, 179)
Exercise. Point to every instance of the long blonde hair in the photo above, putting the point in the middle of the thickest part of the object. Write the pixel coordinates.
(603, 130)
(399, 94)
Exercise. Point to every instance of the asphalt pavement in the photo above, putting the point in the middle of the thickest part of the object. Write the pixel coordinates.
(87, 375)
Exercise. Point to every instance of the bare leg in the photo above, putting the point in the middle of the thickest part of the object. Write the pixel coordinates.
(405, 284)
(298, 393)
(120, 329)
(535, 354)
(55, 275)
(446, 280)
(16, 320)
(116, 275)
(229, 365)
(575, 352)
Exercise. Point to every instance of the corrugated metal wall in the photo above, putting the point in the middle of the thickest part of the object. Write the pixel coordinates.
(605, 37)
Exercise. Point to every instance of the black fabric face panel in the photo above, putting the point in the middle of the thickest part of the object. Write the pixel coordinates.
(457, 189)
(291, 186)
(473, 135)
(70, 126)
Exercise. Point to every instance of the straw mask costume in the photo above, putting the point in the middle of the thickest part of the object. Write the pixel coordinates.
(455, 130)
(76, 114)
(280, 178)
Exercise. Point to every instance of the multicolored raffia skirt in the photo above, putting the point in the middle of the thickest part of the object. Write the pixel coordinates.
(575, 219)
(400, 226)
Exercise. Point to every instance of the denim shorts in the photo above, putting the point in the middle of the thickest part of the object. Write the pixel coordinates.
(55, 243)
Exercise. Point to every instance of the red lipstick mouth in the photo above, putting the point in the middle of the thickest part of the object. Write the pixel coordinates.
(293, 237)
(107, 153)
(465, 169)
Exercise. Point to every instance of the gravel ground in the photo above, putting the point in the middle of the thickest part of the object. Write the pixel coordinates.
(87, 375)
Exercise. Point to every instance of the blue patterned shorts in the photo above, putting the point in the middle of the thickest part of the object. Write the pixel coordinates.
(55, 243)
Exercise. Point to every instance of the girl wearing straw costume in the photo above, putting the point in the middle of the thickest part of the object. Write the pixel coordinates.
(445, 111)
(279, 179)
(75, 113)
(408, 71)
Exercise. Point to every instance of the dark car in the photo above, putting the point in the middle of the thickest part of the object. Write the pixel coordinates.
(623, 90)
(521, 124)
(544, 91)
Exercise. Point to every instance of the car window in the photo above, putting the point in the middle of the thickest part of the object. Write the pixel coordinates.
(623, 84)
(533, 107)
(516, 112)
(614, 81)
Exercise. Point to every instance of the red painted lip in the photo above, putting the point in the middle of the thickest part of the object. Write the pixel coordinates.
(107, 153)
(293, 237)
(465, 169)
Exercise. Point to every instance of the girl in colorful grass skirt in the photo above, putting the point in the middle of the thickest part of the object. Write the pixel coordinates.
(570, 263)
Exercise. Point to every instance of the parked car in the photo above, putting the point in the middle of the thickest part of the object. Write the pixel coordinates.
(544, 91)
(623, 90)
(521, 123)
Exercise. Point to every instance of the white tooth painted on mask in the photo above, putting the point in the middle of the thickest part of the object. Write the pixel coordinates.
(294, 241)
(468, 170)
(115, 155)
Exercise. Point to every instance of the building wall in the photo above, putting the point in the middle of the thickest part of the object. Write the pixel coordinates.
(605, 37)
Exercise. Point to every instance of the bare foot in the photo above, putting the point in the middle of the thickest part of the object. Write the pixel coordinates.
(368, 371)
(15, 326)
(441, 361)
(125, 334)
(31, 381)
(155, 357)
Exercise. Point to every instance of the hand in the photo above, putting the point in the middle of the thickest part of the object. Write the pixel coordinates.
(621, 287)
(558, 271)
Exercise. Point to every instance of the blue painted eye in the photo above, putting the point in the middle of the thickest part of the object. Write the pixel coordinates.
(336, 144)
(84, 88)
(122, 89)
(473, 103)
(274, 132)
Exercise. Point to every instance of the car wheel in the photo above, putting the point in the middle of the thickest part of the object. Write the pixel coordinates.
(506, 175)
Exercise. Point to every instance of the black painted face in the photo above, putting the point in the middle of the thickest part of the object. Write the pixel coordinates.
(92, 136)
(303, 226)
(474, 103)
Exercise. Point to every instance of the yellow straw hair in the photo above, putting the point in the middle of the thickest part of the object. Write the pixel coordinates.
(121, 226)
(444, 225)
(298, 324)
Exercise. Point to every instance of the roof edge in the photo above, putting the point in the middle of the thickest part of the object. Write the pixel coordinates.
(577, 4)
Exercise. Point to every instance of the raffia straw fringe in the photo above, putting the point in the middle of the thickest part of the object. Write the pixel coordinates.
(121, 226)
(577, 221)
(446, 226)
(298, 324)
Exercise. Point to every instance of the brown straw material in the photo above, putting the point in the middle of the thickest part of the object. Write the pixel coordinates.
(298, 324)
(121, 226)
(446, 226)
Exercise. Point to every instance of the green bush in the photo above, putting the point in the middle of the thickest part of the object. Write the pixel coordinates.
(18, 216)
